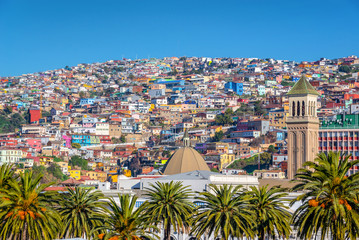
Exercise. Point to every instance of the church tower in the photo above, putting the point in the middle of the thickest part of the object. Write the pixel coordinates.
(302, 125)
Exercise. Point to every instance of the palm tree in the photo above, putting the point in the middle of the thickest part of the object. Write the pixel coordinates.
(224, 212)
(81, 211)
(271, 215)
(7, 175)
(124, 222)
(168, 204)
(330, 201)
(25, 212)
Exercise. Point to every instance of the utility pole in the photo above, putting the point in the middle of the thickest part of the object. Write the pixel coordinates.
(259, 159)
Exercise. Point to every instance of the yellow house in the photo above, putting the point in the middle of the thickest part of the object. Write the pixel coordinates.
(114, 178)
(46, 160)
(97, 175)
(278, 118)
(75, 173)
(225, 159)
(92, 165)
(127, 173)
(64, 167)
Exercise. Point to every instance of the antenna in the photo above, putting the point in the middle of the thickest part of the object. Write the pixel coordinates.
(259, 159)
(41, 105)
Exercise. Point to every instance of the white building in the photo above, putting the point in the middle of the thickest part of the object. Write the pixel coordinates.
(102, 128)
(10, 155)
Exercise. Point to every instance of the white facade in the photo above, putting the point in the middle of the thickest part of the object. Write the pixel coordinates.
(102, 129)
(10, 156)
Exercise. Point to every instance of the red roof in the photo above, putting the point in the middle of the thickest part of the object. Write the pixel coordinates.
(56, 189)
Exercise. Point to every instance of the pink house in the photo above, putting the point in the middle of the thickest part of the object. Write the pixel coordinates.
(34, 143)
(68, 140)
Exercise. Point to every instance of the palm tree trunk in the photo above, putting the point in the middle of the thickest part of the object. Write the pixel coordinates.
(261, 234)
(167, 230)
(24, 235)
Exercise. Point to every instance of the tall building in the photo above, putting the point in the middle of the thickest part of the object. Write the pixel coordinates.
(302, 125)
(35, 115)
(340, 133)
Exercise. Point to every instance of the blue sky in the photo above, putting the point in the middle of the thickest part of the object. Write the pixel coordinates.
(40, 35)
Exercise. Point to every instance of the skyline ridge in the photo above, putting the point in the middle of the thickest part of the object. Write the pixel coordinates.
(162, 58)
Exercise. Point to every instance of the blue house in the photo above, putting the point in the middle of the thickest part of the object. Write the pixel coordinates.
(87, 101)
(235, 87)
(83, 140)
(170, 83)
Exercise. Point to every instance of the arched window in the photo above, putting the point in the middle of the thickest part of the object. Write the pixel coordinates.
(293, 109)
(298, 108)
(310, 109)
(303, 108)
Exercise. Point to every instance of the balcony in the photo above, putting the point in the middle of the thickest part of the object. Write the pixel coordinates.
(350, 139)
(334, 138)
(329, 139)
(345, 138)
(340, 138)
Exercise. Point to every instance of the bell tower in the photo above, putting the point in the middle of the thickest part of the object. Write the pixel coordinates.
(302, 125)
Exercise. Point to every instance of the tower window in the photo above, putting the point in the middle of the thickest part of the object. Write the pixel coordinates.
(303, 108)
(293, 109)
(298, 108)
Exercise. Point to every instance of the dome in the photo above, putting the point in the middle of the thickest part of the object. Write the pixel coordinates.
(185, 159)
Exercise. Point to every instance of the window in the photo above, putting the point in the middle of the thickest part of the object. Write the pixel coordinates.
(293, 109)
(303, 108)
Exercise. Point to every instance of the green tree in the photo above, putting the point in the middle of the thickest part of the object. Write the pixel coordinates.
(124, 222)
(79, 161)
(225, 213)
(115, 140)
(266, 158)
(271, 149)
(56, 171)
(287, 83)
(329, 203)
(82, 211)
(259, 108)
(224, 119)
(345, 69)
(25, 212)
(271, 215)
(76, 145)
(218, 136)
(26, 116)
(7, 175)
(8, 110)
(168, 204)
(123, 138)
